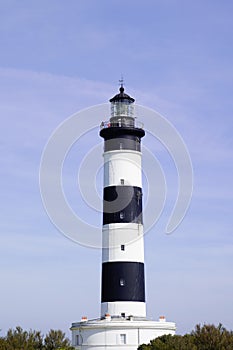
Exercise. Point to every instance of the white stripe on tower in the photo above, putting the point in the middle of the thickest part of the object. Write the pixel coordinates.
(123, 286)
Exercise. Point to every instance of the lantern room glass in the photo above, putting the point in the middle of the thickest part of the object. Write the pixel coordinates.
(122, 113)
(122, 109)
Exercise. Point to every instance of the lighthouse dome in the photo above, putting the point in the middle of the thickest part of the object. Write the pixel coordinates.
(122, 97)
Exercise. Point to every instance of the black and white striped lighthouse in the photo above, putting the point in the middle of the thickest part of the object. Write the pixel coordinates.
(122, 323)
(123, 284)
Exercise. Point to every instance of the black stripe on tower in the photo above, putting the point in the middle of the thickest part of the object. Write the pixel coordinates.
(122, 204)
(114, 131)
(117, 138)
(123, 281)
(124, 142)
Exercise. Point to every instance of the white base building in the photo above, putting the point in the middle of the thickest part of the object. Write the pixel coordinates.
(118, 333)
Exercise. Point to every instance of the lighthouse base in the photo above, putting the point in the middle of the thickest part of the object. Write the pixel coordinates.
(114, 332)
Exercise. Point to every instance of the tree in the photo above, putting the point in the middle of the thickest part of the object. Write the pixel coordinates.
(209, 337)
(169, 342)
(19, 339)
(56, 339)
(206, 337)
(2, 344)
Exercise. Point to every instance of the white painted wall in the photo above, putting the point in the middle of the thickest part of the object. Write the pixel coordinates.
(122, 164)
(130, 235)
(106, 335)
(135, 308)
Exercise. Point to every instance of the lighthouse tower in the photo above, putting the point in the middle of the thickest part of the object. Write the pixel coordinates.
(123, 286)
(123, 319)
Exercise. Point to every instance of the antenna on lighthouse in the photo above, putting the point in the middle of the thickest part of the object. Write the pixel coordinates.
(121, 81)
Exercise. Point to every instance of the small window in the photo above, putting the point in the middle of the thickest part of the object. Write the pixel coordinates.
(122, 181)
(122, 282)
(122, 215)
(123, 314)
(121, 145)
(122, 338)
(137, 144)
(77, 339)
(122, 247)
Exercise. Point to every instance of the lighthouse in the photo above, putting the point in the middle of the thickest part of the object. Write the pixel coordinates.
(123, 283)
(122, 320)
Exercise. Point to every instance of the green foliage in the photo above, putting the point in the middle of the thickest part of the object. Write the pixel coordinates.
(169, 342)
(209, 337)
(18, 339)
(206, 337)
(2, 344)
(56, 340)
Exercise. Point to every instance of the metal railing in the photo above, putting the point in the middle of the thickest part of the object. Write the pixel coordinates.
(123, 124)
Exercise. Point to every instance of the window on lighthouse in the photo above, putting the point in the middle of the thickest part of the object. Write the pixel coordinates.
(122, 282)
(122, 338)
(77, 339)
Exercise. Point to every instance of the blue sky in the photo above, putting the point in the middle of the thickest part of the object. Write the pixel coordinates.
(58, 57)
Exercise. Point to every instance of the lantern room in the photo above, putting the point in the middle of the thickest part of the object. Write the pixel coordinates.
(122, 110)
